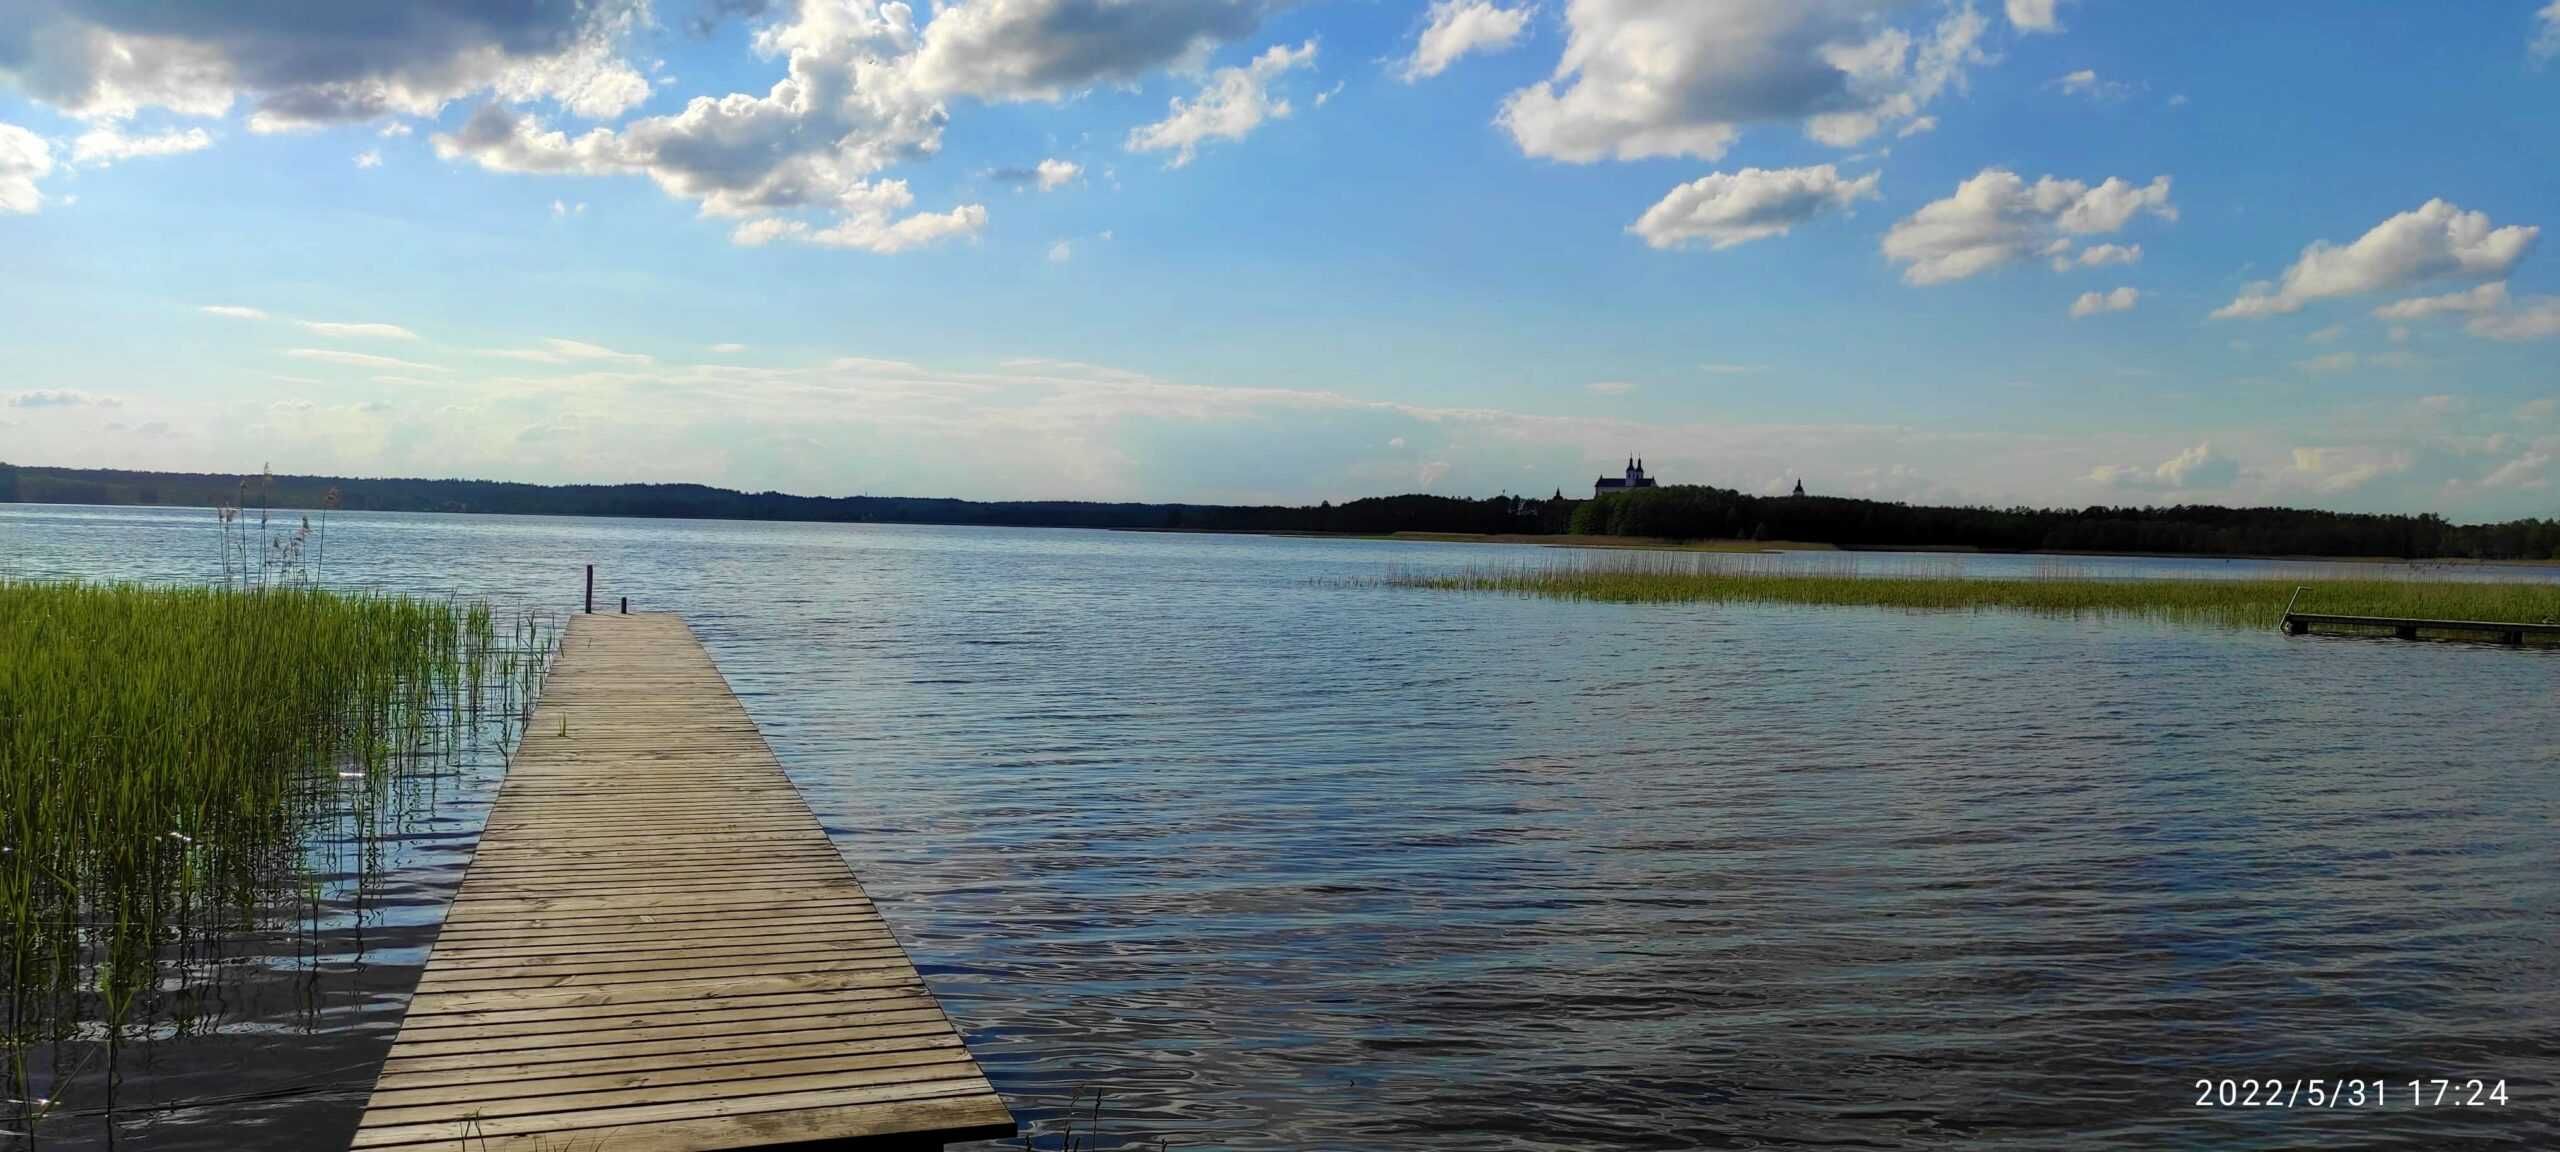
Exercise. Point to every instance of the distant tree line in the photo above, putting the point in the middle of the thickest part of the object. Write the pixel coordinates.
(1372, 516)
(1680, 513)
(1699, 513)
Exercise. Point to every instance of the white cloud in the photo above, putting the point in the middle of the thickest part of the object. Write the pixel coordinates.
(360, 331)
(62, 398)
(2437, 240)
(2197, 467)
(1996, 217)
(307, 62)
(559, 351)
(1919, 126)
(2488, 297)
(24, 159)
(2546, 44)
(232, 312)
(2493, 315)
(1326, 97)
(2086, 82)
(1054, 174)
(1460, 27)
(1610, 387)
(357, 359)
(1728, 208)
(394, 130)
(369, 158)
(2033, 16)
(2329, 364)
(725, 349)
(2533, 318)
(2329, 335)
(2333, 470)
(1644, 78)
(2093, 303)
(2093, 256)
(1232, 102)
(106, 144)
(2529, 471)
(1061, 252)
(846, 108)
(1045, 49)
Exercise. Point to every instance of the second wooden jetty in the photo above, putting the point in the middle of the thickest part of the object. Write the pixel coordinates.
(657, 949)
(2407, 628)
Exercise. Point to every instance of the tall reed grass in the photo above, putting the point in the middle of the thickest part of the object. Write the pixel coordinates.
(2058, 590)
(163, 752)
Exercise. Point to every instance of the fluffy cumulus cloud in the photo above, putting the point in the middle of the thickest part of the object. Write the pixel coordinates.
(1646, 78)
(2546, 40)
(845, 109)
(2093, 256)
(2435, 241)
(1231, 103)
(2093, 303)
(2197, 467)
(2491, 312)
(1045, 49)
(24, 159)
(1998, 217)
(1728, 208)
(866, 86)
(298, 63)
(2033, 16)
(1457, 28)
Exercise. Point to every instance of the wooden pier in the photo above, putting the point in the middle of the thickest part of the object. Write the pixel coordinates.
(657, 949)
(2297, 623)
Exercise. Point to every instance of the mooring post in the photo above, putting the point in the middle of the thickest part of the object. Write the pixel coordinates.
(626, 605)
(591, 589)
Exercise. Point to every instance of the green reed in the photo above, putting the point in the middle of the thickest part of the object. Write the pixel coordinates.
(2058, 590)
(163, 751)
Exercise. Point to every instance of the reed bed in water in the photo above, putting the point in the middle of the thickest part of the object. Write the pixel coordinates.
(162, 751)
(2059, 590)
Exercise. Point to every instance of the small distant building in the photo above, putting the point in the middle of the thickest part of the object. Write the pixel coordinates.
(1799, 488)
(1635, 478)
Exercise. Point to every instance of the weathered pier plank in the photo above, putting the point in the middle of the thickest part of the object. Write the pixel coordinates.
(2408, 628)
(656, 949)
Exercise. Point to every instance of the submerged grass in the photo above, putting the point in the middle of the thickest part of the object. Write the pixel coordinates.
(164, 750)
(2246, 603)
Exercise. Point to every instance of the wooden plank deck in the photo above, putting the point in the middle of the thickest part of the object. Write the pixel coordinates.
(2408, 628)
(657, 949)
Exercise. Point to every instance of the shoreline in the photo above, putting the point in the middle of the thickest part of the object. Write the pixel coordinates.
(1746, 547)
(1558, 540)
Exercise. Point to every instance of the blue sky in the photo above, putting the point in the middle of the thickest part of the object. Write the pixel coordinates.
(2083, 251)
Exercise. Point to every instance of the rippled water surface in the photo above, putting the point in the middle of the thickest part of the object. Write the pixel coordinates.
(1280, 860)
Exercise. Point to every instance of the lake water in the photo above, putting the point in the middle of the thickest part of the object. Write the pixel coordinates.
(1278, 860)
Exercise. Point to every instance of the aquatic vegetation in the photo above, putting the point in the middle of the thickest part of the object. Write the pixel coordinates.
(164, 751)
(2244, 603)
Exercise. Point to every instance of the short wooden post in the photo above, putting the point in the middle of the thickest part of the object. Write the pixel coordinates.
(626, 605)
(591, 589)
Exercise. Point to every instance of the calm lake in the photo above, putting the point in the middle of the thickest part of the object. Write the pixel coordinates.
(1279, 860)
